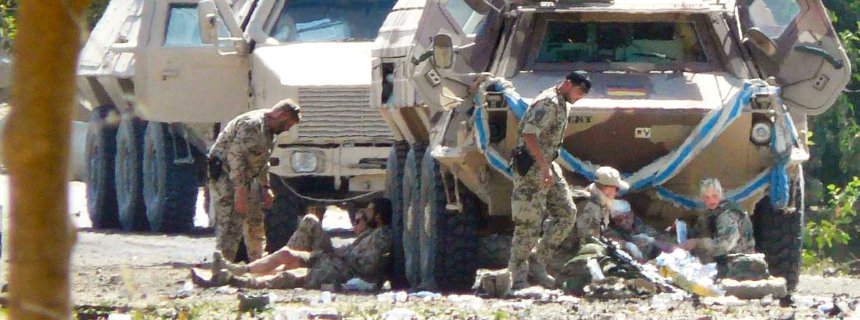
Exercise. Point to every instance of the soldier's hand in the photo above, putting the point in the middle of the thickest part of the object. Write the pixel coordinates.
(547, 176)
(240, 201)
(268, 198)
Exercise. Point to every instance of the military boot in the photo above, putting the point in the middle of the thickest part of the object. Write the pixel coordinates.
(218, 279)
(519, 277)
(540, 276)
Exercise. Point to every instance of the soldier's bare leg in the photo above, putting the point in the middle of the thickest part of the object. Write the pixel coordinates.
(286, 257)
(282, 280)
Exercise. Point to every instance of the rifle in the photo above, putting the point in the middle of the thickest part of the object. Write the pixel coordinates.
(626, 261)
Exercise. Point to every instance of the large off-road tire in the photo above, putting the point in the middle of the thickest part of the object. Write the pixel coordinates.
(779, 235)
(393, 191)
(411, 199)
(100, 153)
(282, 218)
(449, 244)
(169, 188)
(129, 174)
(494, 252)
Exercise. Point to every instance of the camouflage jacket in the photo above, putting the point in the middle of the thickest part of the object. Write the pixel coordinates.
(365, 257)
(593, 215)
(726, 230)
(546, 118)
(244, 146)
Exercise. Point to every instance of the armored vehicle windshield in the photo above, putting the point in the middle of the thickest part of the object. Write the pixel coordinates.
(653, 42)
(330, 20)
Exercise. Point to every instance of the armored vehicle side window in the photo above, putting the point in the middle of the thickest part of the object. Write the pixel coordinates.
(772, 16)
(594, 42)
(330, 20)
(183, 28)
(467, 18)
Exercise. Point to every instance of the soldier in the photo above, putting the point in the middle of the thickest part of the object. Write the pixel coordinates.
(365, 258)
(238, 176)
(539, 187)
(592, 221)
(725, 236)
(639, 239)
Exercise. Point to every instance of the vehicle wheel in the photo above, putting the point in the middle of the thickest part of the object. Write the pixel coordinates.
(129, 174)
(411, 201)
(393, 187)
(100, 153)
(282, 219)
(169, 188)
(495, 250)
(448, 241)
(779, 235)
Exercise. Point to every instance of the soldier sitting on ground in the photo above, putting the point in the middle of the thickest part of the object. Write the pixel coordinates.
(364, 258)
(592, 221)
(640, 240)
(725, 236)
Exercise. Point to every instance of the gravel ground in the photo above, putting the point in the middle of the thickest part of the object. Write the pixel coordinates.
(122, 273)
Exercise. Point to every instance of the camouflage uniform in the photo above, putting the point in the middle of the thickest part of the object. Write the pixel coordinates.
(310, 236)
(364, 258)
(243, 148)
(531, 203)
(642, 235)
(725, 230)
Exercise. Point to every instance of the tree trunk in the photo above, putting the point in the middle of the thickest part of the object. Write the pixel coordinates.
(36, 150)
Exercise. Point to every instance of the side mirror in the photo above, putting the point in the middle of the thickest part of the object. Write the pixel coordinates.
(207, 16)
(759, 40)
(443, 51)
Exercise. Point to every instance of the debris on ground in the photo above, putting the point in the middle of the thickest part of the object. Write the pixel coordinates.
(358, 284)
(400, 314)
(253, 301)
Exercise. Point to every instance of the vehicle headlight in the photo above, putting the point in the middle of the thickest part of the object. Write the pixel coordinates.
(761, 132)
(304, 162)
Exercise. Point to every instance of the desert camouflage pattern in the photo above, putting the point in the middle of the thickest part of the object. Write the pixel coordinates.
(364, 258)
(725, 230)
(243, 147)
(531, 203)
(310, 236)
(642, 235)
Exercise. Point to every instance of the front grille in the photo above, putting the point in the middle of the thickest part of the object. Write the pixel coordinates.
(340, 114)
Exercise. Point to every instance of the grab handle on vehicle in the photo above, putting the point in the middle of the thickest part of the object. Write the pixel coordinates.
(836, 63)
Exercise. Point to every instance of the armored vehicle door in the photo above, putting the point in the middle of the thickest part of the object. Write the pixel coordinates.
(182, 77)
(460, 19)
(794, 41)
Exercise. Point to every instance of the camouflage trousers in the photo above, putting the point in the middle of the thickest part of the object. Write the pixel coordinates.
(232, 227)
(310, 236)
(743, 266)
(531, 204)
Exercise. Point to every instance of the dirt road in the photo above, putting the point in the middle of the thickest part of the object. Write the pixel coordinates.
(126, 273)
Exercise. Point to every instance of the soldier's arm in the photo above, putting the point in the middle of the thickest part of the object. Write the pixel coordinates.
(588, 222)
(537, 117)
(727, 236)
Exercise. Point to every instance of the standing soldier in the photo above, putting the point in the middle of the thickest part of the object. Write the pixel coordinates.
(238, 177)
(539, 187)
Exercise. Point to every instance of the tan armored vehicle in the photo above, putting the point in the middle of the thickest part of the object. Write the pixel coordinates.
(681, 92)
(163, 76)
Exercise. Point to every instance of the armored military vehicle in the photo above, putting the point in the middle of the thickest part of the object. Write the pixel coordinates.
(162, 77)
(682, 90)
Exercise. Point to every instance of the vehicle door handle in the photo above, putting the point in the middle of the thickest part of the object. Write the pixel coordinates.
(837, 63)
(169, 73)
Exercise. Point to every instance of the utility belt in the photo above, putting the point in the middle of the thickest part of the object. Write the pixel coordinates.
(521, 160)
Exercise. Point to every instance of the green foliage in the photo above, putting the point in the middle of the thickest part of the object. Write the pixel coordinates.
(834, 224)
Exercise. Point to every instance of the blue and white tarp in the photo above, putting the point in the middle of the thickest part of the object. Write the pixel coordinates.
(654, 175)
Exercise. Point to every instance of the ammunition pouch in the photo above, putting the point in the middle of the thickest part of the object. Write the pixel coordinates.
(216, 168)
(521, 160)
